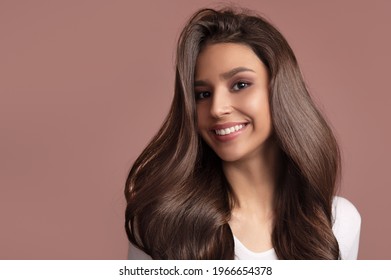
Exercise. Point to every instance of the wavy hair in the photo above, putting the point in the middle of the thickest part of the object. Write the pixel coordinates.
(178, 200)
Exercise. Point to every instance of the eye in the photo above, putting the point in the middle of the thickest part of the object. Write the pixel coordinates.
(240, 85)
(202, 95)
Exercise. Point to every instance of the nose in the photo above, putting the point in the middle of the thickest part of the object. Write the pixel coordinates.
(221, 104)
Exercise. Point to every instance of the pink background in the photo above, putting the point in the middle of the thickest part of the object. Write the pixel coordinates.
(85, 84)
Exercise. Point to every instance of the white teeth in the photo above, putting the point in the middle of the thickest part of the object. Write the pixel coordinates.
(229, 130)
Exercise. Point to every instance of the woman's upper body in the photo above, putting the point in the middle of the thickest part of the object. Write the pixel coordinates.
(243, 152)
(346, 228)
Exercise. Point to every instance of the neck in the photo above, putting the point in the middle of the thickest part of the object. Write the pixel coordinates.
(253, 181)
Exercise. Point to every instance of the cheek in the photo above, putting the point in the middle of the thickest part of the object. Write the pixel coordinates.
(251, 106)
(201, 117)
(256, 104)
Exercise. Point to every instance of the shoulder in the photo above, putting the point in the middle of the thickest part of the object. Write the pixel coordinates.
(346, 227)
(344, 210)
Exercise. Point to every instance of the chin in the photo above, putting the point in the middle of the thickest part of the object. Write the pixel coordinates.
(229, 157)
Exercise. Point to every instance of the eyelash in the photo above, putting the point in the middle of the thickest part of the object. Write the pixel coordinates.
(199, 93)
(246, 84)
(241, 82)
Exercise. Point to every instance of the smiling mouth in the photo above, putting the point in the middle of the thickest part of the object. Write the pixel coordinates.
(229, 130)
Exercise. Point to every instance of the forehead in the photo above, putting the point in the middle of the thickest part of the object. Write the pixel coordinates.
(218, 58)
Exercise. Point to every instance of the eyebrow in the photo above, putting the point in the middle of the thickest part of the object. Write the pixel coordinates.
(226, 75)
(235, 71)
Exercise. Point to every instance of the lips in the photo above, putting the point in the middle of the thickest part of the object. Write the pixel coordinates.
(228, 131)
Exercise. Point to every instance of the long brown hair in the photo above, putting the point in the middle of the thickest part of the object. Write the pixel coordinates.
(178, 199)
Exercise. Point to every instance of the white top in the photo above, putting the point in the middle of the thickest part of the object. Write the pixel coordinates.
(346, 228)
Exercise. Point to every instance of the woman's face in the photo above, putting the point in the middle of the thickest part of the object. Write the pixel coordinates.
(232, 97)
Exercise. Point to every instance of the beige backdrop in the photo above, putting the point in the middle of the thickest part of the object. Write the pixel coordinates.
(85, 84)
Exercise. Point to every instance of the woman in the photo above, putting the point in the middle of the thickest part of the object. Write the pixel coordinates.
(244, 166)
